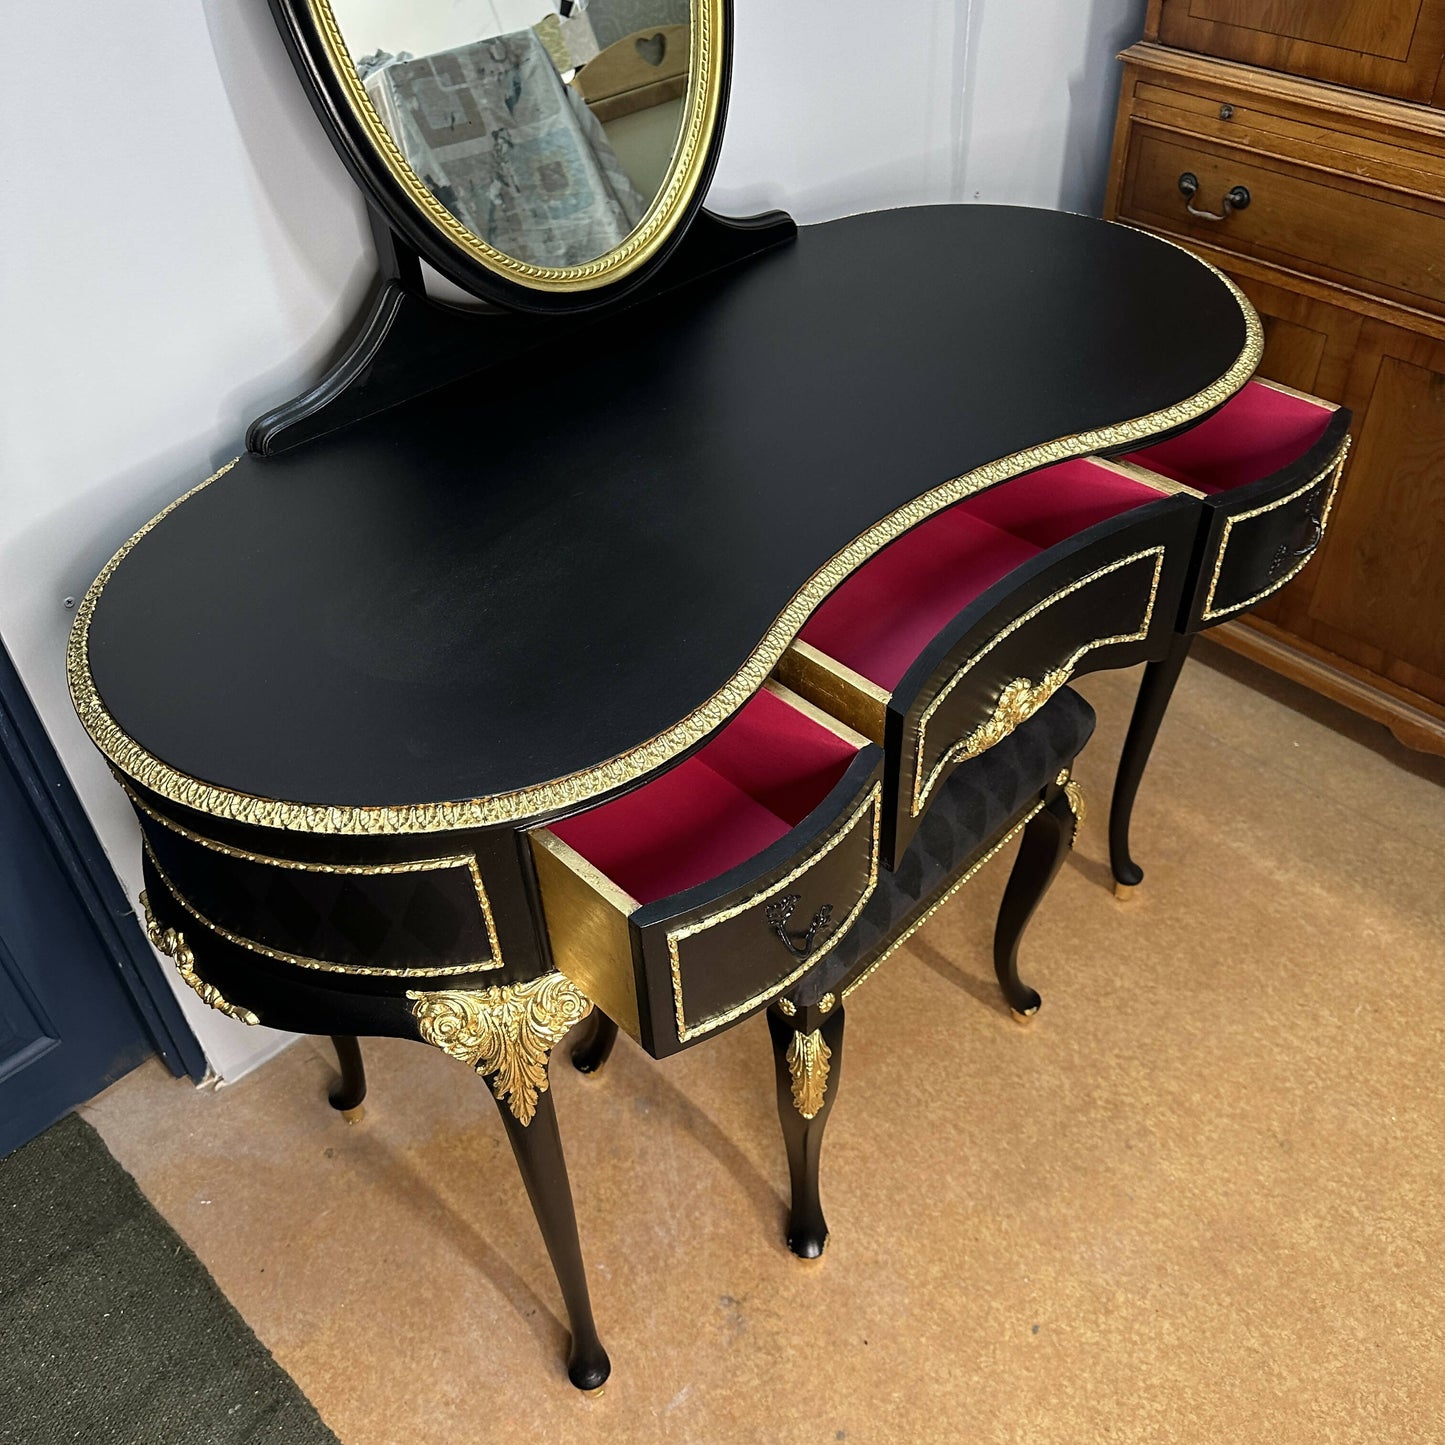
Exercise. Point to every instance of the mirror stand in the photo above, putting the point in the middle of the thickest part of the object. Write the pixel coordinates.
(409, 344)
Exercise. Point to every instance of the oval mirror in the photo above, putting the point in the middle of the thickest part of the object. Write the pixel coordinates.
(550, 145)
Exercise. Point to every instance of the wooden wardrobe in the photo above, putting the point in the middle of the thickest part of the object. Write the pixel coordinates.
(1301, 148)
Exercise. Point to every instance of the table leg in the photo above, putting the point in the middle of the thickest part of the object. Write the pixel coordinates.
(1149, 709)
(808, 1066)
(594, 1044)
(1047, 837)
(538, 1149)
(351, 1089)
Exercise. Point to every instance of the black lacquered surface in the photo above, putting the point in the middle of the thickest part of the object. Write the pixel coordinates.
(529, 573)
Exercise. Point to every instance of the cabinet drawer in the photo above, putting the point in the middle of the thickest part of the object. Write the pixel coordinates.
(1309, 219)
(1267, 464)
(699, 897)
(948, 639)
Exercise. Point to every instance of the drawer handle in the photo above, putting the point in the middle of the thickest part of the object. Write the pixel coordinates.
(800, 945)
(1236, 198)
(1286, 555)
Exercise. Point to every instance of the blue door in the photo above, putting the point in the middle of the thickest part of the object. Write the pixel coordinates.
(81, 997)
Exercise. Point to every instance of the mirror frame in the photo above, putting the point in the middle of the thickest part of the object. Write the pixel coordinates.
(318, 51)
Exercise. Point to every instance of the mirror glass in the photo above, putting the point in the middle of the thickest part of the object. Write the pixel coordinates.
(545, 127)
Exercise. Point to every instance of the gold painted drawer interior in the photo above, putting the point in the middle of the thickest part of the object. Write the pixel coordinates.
(746, 791)
(857, 647)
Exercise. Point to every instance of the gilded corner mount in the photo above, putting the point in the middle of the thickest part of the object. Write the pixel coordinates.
(1078, 805)
(505, 1033)
(173, 944)
(807, 1060)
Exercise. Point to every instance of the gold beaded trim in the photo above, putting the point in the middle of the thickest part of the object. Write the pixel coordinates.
(300, 960)
(704, 100)
(687, 1031)
(422, 865)
(1021, 698)
(578, 788)
(1337, 465)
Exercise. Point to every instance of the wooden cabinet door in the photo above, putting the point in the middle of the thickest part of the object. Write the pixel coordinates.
(1379, 595)
(1375, 595)
(1392, 47)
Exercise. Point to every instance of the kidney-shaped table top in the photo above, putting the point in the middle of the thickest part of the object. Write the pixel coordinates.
(544, 581)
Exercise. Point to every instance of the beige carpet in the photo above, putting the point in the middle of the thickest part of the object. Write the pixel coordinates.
(1199, 1200)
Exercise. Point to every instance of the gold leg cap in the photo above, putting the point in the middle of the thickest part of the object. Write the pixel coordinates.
(354, 1116)
(1024, 1019)
(1123, 890)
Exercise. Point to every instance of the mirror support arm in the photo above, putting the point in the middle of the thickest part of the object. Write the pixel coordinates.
(408, 344)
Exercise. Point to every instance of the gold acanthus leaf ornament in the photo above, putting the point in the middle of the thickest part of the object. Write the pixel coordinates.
(505, 1033)
(808, 1059)
(1016, 704)
(1077, 806)
(173, 944)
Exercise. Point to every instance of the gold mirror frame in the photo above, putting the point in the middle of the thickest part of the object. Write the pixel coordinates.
(689, 158)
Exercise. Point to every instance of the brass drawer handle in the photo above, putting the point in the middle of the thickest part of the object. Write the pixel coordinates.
(800, 945)
(1235, 199)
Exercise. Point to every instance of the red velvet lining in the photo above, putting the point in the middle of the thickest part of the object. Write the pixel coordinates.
(1256, 432)
(761, 776)
(880, 619)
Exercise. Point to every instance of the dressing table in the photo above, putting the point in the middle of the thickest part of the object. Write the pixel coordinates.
(619, 643)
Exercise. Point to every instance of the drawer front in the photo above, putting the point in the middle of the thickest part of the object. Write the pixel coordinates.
(707, 962)
(1391, 47)
(1107, 602)
(1341, 229)
(423, 918)
(1261, 536)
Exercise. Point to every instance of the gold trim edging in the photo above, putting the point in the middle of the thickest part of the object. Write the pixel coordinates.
(173, 944)
(1022, 697)
(581, 787)
(301, 960)
(505, 1033)
(684, 172)
(686, 1031)
(807, 1059)
(1337, 466)
(942, 899)
(366, 870)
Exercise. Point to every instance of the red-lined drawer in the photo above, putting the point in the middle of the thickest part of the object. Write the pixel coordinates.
(1266, 465)
(949, 638)
(697, 898)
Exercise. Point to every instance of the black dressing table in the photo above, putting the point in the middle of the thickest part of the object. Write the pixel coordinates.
(614, 648)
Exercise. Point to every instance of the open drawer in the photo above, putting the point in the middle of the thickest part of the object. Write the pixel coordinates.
(702, 895)
(1266, 465)
(939, 646)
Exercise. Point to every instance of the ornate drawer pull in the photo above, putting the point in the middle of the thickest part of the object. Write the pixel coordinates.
(800, 945)
(1235, 199)
(1286, 555)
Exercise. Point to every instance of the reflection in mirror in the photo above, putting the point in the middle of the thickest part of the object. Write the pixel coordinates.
(546, 127)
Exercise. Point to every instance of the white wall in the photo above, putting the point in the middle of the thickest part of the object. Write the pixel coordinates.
(426, 26)
(192, 251)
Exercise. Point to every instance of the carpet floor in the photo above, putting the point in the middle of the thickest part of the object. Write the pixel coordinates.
(111, 1330)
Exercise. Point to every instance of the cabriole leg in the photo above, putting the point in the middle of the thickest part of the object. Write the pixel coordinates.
(808, 1067)
(507, 1033)
(351, 1090)
(538, 1150)
(594, 1044)
(1048, 836)
(1153, 701)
